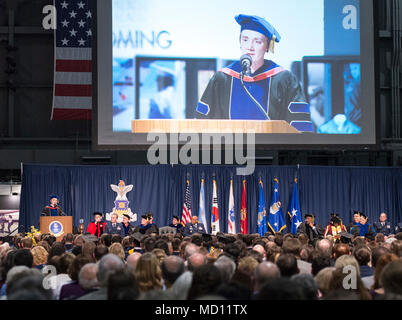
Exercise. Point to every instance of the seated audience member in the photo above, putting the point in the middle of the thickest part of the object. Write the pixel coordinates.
(194, 227)
(341, 249)
(27, 285)
(172, 268)
(307, 285)
(287, 264)
(176, 224)
(148, 273)
(63, 265)
(128, 228)
(108, 265)
(226, 266)
(383, 226)
(100, 251)
(117, 249)
(293, 246)
(27, 243)
(97, 227)
(363, 257)
(122, 286)
(114, 227)
(337, 284)
(233, 290)
(396, 248)
(73, 290)
(206, 280)
(132, 261)
(263, 273)
(323, 279)
(391, 280)
(377, 289)
(68, 242)
(312, 230)
(280, 289)
(319, 261)
(39, 255)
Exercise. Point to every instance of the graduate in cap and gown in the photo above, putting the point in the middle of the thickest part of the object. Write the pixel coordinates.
(53, 209)
(277, 90)
(97, 227)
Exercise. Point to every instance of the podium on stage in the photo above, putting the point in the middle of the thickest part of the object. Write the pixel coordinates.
(57, 226)
(211, 126)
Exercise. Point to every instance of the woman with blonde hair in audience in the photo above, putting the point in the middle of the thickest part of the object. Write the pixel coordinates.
(117, 249)
(148, 273)
(40, 255)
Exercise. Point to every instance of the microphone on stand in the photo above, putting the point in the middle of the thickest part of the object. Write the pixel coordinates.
(246, 62)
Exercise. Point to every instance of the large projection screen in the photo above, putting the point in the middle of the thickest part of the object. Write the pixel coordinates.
(155, 59)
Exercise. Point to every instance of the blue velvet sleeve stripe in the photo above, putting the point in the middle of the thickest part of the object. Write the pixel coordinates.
(299, 107)
(303, 126)
(202, 108)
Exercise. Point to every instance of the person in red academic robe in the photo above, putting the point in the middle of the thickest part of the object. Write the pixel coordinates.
(97, 227)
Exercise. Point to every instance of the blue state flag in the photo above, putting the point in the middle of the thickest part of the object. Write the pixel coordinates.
(262, 213)
(276, 221)
(294, 210)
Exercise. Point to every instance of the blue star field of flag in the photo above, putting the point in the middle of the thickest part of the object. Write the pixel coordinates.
(74, 24)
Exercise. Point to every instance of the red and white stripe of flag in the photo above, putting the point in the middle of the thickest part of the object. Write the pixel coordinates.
(72, 97)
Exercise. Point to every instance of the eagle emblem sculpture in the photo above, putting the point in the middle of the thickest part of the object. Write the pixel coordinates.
(121, 202)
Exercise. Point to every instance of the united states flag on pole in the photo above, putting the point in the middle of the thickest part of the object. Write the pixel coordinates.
(72, 90)
(186, 214)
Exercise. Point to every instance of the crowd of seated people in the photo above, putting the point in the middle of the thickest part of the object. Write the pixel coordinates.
(335, 265)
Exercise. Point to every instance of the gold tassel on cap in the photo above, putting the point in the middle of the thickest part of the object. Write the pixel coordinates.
(271, 44)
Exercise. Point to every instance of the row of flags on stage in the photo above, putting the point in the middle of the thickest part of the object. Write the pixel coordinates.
(273, 221)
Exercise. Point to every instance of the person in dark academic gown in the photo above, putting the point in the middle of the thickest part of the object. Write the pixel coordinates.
(356, 221)
(128, 228)
(145, 227)
(176, 224)
(154, 228)
(277, 90)
(312, 230)
(53, 209)
(97, 227)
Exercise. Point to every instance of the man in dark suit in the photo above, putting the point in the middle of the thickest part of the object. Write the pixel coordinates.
(383, 226)
(114, 227)
(312, 230)
(194, 227)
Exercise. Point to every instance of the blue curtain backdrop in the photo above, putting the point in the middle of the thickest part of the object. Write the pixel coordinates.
(160, 189)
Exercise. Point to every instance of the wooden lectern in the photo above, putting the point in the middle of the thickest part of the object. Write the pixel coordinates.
(211, 126)
(57, 226)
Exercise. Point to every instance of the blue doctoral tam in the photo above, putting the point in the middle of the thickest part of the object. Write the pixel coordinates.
(258, 24)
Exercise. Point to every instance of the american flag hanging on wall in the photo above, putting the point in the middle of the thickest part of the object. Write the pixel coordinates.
(72, 89)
